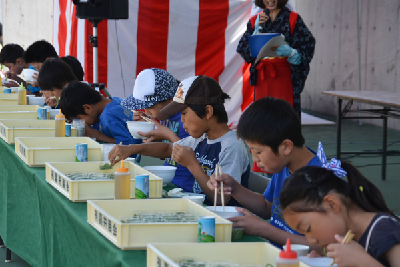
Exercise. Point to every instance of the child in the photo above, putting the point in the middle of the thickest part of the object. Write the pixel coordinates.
(318, 203)
(200, 100)
(35, 55)
(12, 56)
(75, 66)
(79, 101)
(153, 90)
(54, 75)
(272, 130)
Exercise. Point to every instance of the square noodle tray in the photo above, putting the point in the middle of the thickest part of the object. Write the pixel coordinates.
(82, 190)
(9, 129)
(243, 253)
(18, 112)
(104, 216)
(35, 151)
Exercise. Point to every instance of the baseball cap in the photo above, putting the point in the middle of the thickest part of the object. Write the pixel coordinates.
(151, 86)
(197, 90)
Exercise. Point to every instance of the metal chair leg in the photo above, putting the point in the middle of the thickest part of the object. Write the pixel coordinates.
(8, 255)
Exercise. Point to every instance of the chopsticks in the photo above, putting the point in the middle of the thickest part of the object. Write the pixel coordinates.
(218, 172)
(143, 117)
(347, 238)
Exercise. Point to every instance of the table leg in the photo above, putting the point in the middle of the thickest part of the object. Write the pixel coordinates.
(384, 148)
(1, 243)
(339, 129)
(8, 255)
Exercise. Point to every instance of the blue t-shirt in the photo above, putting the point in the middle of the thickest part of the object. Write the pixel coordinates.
(113, 123)
(182, 174)
(274, 190)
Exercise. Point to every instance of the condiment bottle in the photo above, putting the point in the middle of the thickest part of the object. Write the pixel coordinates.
(122, 182)
(60, 124)
(21, 95)
(287, 258)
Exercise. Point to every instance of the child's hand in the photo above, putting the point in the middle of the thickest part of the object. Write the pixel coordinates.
(118, 153)
(346, 254)
(160, 133)
(248, 221)
(51, 101)
(229, 183)
(137, 116)
(183, 155)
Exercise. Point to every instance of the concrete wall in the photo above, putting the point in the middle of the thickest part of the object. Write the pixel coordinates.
(335, 64)
(26, 21)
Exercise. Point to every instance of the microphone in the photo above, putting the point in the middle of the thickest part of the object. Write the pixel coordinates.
(266, 12)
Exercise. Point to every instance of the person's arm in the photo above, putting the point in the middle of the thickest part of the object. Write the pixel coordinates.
(160, 133)
(92, 133)
(243, 47)
(156, 150)
(393, 256)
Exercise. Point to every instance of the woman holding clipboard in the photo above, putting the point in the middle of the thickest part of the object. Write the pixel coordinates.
(283, 76)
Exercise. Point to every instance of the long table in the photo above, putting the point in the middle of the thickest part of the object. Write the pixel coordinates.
(46, 229)
(388, 107)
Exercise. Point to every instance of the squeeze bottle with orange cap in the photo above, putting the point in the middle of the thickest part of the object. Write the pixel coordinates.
(287, 258)
(122, 182)
(60, 125)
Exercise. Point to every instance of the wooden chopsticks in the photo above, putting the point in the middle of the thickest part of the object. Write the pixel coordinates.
(218, 172)
(143, 117)
(347, 238)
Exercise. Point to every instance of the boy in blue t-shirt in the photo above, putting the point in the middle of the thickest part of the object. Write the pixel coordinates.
(200, 100)
(272, 130)
(153, 90)
(79, 101)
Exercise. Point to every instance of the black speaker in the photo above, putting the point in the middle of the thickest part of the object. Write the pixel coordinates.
(102, 9)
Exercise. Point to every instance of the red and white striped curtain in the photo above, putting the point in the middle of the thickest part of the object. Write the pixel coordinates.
(186, 38)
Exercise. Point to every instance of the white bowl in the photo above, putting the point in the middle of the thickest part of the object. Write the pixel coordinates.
(28, 75)
(195, 199)
(302, 250)
(141, 126)
(167, 173)
(230, 211)
(52, 113)
(316, 262)
(36, 101)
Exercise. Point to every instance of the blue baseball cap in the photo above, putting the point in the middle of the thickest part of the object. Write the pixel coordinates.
(151, 87)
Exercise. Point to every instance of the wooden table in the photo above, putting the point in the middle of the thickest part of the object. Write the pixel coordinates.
(388, 106)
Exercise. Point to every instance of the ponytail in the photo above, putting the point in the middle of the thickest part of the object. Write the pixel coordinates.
(305, 189)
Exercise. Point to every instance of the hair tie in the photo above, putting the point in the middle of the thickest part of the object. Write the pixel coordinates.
(334, 165)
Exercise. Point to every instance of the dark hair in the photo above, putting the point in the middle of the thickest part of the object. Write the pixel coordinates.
(39, 51)
(55, 74)
(305, 189)
(75, 65)
(10, 53)
(219, 110)
(74, 96)
(269, 122)
(280, 4)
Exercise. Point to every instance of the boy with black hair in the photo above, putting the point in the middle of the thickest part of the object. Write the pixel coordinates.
(54, 75)
(79, 101)
(75, 66)
(12, 56)
(272, 130)
(200, 100)
(35, 55)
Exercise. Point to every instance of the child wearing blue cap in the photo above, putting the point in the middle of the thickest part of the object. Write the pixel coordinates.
(153, 90)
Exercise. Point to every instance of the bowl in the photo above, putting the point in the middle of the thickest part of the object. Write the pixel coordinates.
(229, 212)
(302, 250)
(53, 113)
(316, 262)
(167, 173)
(141, 126)
(14, 89)
(257, 41)
(196, 199)
(28, 75)
(36, 101)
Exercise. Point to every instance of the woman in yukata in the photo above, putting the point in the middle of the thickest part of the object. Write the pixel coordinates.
(284, 76)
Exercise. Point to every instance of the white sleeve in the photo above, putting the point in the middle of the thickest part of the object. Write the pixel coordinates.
(234, 160)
